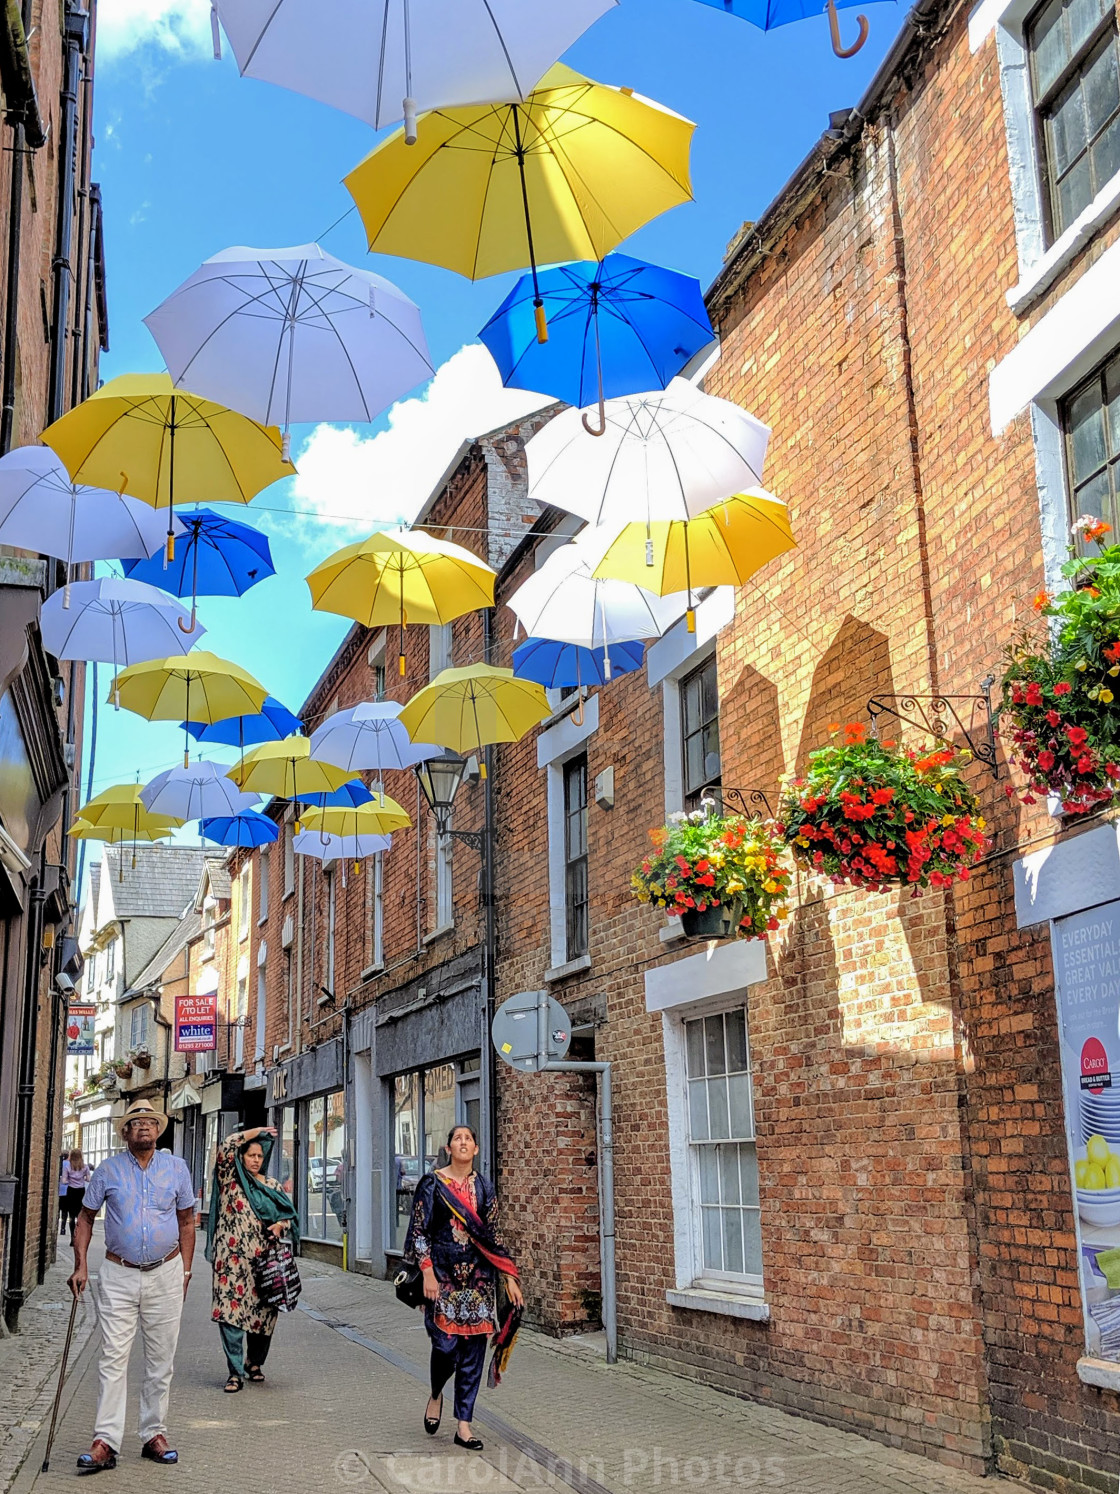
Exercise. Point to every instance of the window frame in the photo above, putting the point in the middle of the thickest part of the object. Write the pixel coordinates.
(575, 770)
(444, 892)
(140, 1010)
(377, 912)
(1111, 464)
(289, 859)
(244, 905)
(691, 796)
(265, 868)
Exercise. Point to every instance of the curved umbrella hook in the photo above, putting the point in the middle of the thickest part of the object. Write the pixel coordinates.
(834, 28)
(588, 427)
(194, 591)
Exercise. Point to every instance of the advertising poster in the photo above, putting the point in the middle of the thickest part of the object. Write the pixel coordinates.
(196, 1024)
(1087, 966)
(80, 1018)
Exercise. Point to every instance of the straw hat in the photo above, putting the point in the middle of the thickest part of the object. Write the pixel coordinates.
(141, 1110)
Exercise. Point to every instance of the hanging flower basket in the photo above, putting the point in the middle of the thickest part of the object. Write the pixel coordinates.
(123, 1070)
(1061, 691)
(721, 874)
(875, 815)
(142, 1058)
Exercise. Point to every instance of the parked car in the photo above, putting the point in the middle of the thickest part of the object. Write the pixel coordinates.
(323, 1171)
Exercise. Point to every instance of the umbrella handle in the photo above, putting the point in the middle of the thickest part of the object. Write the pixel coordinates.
(408, 109)
(189, 628)
(588, 427)
(834, 27)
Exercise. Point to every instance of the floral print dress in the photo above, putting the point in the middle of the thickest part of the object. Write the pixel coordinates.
(467, 1280)
(239, 1238)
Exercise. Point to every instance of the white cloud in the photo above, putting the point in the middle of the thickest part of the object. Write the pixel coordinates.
(180, 27)
(356, 483)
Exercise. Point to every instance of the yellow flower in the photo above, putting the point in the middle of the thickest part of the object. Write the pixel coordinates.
(948, 819)
(980, 822)
(1106, 696)
(1094, 692)
(1115, 670)
(1081, 666)
(771, 887)
(801, 841)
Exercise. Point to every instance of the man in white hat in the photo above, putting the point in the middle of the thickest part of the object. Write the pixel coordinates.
(149, 1245)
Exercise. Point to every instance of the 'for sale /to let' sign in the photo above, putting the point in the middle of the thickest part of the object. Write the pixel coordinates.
(196, 1024)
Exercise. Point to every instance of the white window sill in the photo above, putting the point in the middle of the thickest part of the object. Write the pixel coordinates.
(371, 970)
(573, 967)
(263, 919)
(1085, 226)
(1101, 1372)
(443, 930)
(728, 1304)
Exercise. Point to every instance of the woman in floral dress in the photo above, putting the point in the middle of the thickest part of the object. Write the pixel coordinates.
(246, 1206)
(452, 1239)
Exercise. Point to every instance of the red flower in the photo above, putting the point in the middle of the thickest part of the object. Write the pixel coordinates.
(1077, 737)
(1062, 688)
(1034, 694)
(1046, 761)
(1053, 718)
(1112, 652)
(882, 796)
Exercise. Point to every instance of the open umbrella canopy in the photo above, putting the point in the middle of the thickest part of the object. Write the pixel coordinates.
(567, 174)
(198, 791)
(387, 62)
(563, 600)
(766, 14)
(140, 435)
(567, 666)
(292, 334)
(199, 686)
(615, 326)
(466, 709)
(247, 829)
(378, 817)
(269, 724)
(121, 808)
(215, 556)
(41, 509)
(339, 847)
(664, 455)
(369, 736)
(117, 621)
(723, 546)
(286, 769)
(113, 834)
(351, 793)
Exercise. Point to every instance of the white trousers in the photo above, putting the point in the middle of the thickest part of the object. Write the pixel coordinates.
(153, 1302)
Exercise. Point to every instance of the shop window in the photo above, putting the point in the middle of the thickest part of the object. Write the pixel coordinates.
(426, 1104)
(1075, 84)
(721, 1143)
(1090, 420)
(326, 1167)
(575, 857)
(284, 1154)
(699, 693)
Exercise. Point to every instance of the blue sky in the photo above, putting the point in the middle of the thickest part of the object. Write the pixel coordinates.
(191, 159)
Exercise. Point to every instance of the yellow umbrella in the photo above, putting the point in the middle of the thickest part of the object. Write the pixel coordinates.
(139, 434)
(189, 687)
(83, 830)
(286, 769)
(723, 546)
(401, 576)
(567, 174)
(465, 709)
(117, 814)
(380, 816)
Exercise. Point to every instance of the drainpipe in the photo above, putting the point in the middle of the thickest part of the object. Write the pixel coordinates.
(489, 1095)
(14, 1290)
(47, 1235)
(93, 258)
(77, 41)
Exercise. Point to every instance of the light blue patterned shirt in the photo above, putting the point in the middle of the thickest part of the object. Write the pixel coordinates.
(140, 1203)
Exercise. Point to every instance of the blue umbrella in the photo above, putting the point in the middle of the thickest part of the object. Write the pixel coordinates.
(349, 796)
(271, 724)
(248, 829)
(620, 326)
(770, 13)
(554, 664)
(220, 558)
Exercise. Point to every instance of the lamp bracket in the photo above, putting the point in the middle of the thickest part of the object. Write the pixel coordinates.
(944, 716)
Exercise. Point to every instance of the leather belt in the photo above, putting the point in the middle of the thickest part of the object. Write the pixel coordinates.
(119, 1260)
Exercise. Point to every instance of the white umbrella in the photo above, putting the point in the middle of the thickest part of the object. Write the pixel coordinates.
(195, 792)
(665, 455)
(118, 622)
(393, 59)
(287, 335)
(564, 600)
(339, 847)
(369, 736)
(42, 510)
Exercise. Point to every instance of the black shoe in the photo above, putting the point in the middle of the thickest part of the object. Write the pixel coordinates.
(472, 1444)
(158, 1451)
(87, 1463)
(432, 1426)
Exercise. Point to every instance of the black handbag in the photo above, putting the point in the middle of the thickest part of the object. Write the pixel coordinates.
(276, 1276)
(408, 1284)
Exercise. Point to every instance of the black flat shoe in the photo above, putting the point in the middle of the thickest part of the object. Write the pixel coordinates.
(472, 1444)
(432, 1426)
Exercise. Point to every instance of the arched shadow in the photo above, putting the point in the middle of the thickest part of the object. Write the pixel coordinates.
(750, 734)
(856, 666)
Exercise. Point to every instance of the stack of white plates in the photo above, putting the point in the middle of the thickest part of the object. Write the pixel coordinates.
(1099, 1206)
(1100, 1116)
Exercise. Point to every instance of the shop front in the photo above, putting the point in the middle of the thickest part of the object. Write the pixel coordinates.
(307, 1105)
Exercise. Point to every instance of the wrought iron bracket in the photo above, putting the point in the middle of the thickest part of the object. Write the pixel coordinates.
(943, 716)
(476, 839)
(746, 801)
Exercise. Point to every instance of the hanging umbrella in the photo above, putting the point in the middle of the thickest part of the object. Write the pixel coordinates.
(665, 455)
(269, 724)
(380, 816)
(401, 576)
(119, 812)
(169, 689)
(195, 792)
(219, 557)
(249, 829)
(466, 709)
(285, 768)
(348, 796)
(292, 334)
(369, 737)
(722, 547)
(118, 622)
(767, 14)
(114, 836)
(567, 666)
(563, 600)
(392, 60)
(339, 847)
(616, 326)
(141, 435)
(567, 174)
(41, 509)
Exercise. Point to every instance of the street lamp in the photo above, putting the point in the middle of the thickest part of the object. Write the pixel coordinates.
(439, 778)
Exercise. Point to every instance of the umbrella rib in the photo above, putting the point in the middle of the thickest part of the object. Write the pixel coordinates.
(381, 64)
(482, 210)
(276, 9)
(505, 49)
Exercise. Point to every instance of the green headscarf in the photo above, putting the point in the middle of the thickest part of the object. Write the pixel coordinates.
(270, 1205)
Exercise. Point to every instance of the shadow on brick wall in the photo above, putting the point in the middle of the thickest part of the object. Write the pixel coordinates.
(856, 666)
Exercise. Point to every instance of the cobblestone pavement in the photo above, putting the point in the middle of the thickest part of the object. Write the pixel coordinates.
(343, 1403)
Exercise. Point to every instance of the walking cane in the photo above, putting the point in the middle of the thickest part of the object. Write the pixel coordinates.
(61, 1381)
